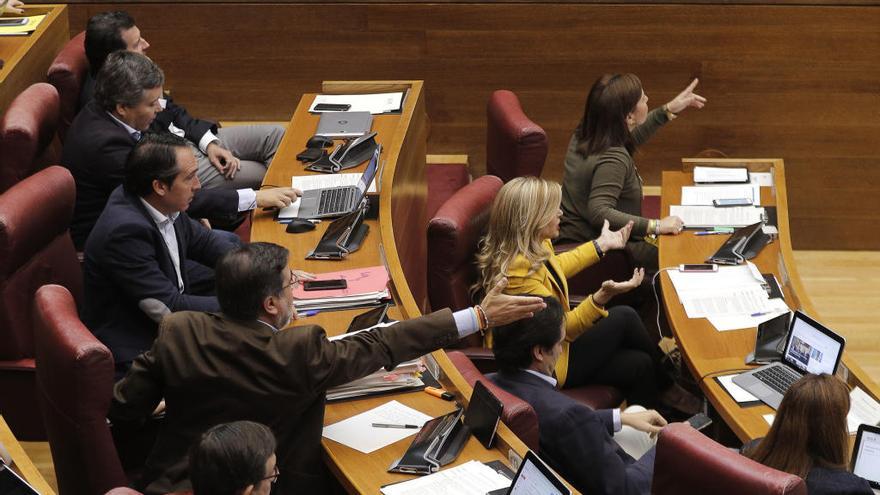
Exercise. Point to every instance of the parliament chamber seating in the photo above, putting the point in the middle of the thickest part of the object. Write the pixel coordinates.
(515, 146)
(689, 462)
(27, 134)
(75, 384)
(67, 73)
(35, 249)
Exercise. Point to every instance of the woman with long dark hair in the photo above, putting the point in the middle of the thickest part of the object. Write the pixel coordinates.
(601, 180)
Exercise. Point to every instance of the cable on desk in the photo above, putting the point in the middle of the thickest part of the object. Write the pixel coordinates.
(657, 297)
(728, 371)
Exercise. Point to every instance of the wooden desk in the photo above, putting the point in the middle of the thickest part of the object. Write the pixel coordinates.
(26, 58)
(21, 462)
(399, 233)
(708, 352)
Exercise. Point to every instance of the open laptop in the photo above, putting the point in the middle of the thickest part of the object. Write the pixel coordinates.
(534, 477)
(810, 348)
(866, 455)
(337, 201)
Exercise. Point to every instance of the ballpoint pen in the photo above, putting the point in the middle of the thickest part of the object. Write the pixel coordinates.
(389, 425)
(710, 232)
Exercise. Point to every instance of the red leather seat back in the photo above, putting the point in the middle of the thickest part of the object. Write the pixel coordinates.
(75, 384)
(35, 249)
(515, 146)
(453, 235)
(517, 414)
(689, 462)
(27, 132)
(67, 73)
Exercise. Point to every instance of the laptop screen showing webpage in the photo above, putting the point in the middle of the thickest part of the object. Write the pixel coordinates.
(369, 173)
(867, 456)
(534, 479)
(810, 349)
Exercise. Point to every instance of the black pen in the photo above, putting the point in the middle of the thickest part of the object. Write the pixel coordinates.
(388, 425)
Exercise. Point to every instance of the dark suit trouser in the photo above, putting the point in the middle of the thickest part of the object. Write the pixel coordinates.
(617, 351)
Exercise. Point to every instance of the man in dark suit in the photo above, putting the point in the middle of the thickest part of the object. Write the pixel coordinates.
(235, 365)
(126, 104)
(578, 442)
(146, 257)
(231, 157)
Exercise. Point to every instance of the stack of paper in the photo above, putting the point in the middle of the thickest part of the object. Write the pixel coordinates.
(374, 103)
(709, 216)
(319, 181)
(405, 376)
(30, 24)
(470, 478)
(733, 297)
(720, 175)
(863, 409)
(367, 286)
(704, 195)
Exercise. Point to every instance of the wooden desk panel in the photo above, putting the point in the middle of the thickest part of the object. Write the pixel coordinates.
(27, 58)
(708, 352)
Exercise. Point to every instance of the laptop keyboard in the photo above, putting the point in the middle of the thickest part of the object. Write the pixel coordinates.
(778, 378)
(335, 200)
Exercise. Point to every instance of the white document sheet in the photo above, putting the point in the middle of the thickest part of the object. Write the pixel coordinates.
(720, 174)
(704, 195)
(374, 103)
(863, 410)
(470, 478)
(709, 216)
(358, 432)
(764, 179)
(732, 290)
(724, 323)
(769, 418)
(320, 181)
(739, 394)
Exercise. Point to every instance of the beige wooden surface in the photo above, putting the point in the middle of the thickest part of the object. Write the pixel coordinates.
(709, 352)
(26, 58)
(21, 462)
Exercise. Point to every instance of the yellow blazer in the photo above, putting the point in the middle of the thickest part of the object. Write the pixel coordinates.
(543, 283)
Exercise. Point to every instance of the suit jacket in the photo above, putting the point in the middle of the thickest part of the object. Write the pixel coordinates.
(212, 370)
(576, 440)
(96, 149)
(128, 273)
(824, 481)
(541, 282)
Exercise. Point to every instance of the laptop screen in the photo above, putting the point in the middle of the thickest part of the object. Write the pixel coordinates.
(812, 348)
(535, 478)
(369, 172)
(866, 455)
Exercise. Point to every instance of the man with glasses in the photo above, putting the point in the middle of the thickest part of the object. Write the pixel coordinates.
(145, 257)
(234, 458)
(241, 364)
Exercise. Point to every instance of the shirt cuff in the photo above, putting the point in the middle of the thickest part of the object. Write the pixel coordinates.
(208, 138)
(247, 199)
(466, 322)
(615, 418)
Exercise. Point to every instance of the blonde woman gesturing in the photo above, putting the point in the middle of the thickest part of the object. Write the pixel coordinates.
(601, 346)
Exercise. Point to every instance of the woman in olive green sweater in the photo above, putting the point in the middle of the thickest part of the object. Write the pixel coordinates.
(601, 180)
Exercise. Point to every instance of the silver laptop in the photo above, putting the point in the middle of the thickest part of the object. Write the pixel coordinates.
(338, 201)
(339, 125)
(810, 348)
(534, 477)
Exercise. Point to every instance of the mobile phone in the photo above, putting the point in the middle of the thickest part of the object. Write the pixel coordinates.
(721, 203)
(698, 267)
(699, 421)
(332, 107)
(13, 21)
(338, 283)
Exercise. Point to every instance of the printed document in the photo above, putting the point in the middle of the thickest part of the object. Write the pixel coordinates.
(863, 409)
(720, 174)
(374, 103)
(358, 432)
(470, 478)
(732, 290)
(704, 195)
(709, 216)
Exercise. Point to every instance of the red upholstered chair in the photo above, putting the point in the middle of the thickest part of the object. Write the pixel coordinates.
(35, 249)
(689, 462)
(75, 385)
(517, 414)
(27, 134)
(515, 146)
(444, 179)
(67, 73)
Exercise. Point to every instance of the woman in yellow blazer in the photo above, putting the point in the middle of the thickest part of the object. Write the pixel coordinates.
(603, 346)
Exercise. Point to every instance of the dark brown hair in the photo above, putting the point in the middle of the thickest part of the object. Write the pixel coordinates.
(809, 429)
(603, 125)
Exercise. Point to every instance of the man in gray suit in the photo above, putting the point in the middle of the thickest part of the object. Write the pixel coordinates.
(239, 364)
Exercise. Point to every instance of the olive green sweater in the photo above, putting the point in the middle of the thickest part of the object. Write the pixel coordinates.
(604, 185)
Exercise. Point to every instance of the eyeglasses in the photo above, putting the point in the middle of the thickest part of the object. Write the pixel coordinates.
(274, 477)
(294, 281)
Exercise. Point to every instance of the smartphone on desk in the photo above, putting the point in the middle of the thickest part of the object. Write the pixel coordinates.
(723, 203)
(332, 107)
(339, 283)
(13, 21)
